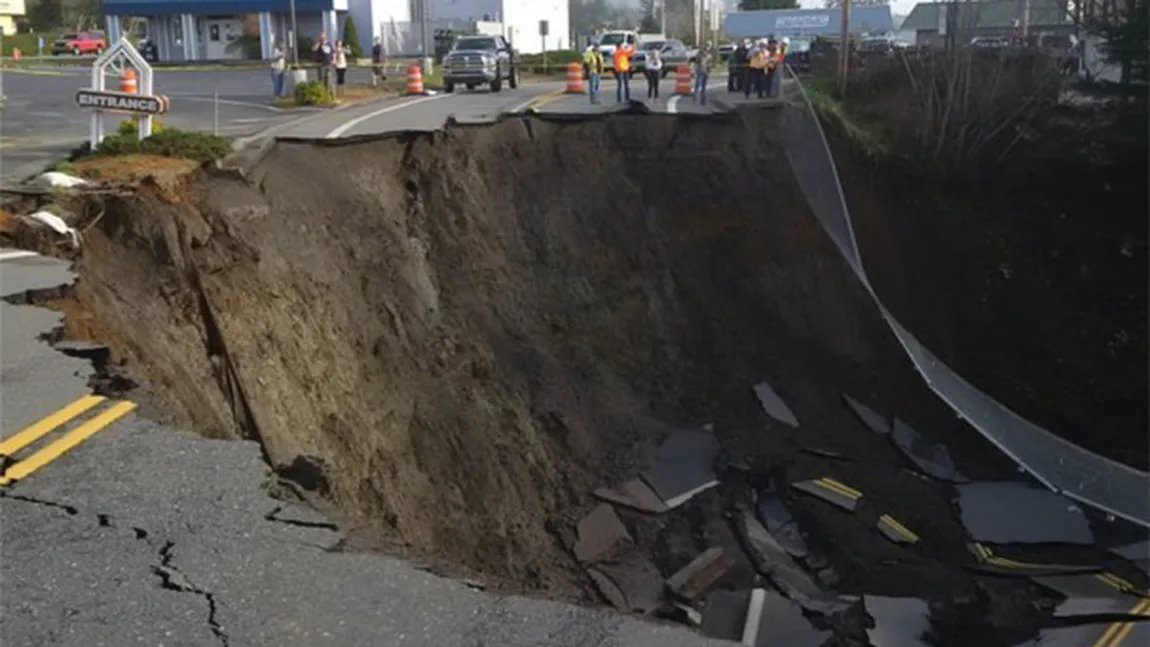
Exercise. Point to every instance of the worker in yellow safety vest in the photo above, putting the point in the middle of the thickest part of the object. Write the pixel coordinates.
(756, 69)
(593, 62)
(774, 62)
(621, 59)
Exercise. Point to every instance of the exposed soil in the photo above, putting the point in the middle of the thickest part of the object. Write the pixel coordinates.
(455, 337)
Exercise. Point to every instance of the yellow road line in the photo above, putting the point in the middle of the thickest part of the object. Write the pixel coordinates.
(538, 100)
(840, 488)
(898, 527)
(988, 556)
(1117, 632)
(68, 441)
(31, 434)
(1115, 581)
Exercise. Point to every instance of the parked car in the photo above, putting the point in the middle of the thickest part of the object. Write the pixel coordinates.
(799, 55)
(480, 60)
(79, 43)
(674, 53)
(884, 45)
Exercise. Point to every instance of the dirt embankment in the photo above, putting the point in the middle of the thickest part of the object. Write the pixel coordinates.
(468, 331)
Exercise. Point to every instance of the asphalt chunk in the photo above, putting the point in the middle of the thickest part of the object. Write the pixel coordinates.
(831, 491)
(1010, 512)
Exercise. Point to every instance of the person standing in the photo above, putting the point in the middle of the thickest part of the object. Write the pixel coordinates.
(322, 52)
(702, 74)
(593, 63)
(621, 59)
(377, 75)
(771, 69)
(278, 64)
(339, 61)
(737, 67)
(654, 71)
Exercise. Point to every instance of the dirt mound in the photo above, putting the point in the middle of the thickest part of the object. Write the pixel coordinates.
(455, 337)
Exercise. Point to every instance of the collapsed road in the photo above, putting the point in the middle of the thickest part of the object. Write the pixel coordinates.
(579, 360)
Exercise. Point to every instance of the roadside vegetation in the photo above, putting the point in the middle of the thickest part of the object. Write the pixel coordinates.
(122, 156)
(1035, 178)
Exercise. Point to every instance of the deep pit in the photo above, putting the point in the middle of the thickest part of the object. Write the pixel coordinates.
(453, 338)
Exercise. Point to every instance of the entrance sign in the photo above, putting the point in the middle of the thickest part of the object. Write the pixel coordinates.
(121, 102)
(125, 62)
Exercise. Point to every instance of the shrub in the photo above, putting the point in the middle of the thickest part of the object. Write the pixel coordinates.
(166, 142)
(313, 93)
(554, 63)
(351, 38)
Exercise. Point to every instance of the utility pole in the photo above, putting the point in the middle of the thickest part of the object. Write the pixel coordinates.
(844, 48)
(294, 36)
(663, 17)
(1025, 20)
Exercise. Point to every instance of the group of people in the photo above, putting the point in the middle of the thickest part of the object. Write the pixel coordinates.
(753, 66)
(653, 67)
(332, 57)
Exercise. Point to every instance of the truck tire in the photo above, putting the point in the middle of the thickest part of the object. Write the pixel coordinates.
(497, 84)
(449, 88)
(513, 80)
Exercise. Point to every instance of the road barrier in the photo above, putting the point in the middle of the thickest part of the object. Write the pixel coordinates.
(574, 78)
(683, 80)
(415, 80)
(1055, 462)
(128, 81)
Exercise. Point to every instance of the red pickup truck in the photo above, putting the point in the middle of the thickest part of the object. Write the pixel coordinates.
(79, 43)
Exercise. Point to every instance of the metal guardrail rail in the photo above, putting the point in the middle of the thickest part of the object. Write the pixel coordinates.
(1058, 464)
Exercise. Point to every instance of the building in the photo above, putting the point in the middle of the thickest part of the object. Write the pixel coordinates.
(10, 12)
(207, 30)
(931, 22)
(807, 23)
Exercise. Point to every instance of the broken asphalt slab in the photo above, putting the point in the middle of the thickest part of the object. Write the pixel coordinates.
(681, 467)
(697, 577)
(772, 512)
(774, 406)
(634, 494)
(773, 561)
(628, 580)
(1012, 512)
(898, 622)
(869, 417)
(1090, 594)
(928, 457)
(834, 492)
(1137, 554)
(597, 533)
(1114, 634)
(774, 621)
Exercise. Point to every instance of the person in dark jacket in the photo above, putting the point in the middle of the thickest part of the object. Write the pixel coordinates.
(737, 67)
(377, 74)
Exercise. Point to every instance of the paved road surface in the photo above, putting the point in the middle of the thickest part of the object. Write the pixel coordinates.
(142, 534)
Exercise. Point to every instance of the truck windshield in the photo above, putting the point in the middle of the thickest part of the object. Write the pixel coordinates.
(612, 39)
(475, 43)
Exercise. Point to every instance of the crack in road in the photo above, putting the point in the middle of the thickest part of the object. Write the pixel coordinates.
(274, 516)
(171, 578)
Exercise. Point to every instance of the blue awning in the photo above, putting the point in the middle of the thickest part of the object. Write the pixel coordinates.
(208, 7)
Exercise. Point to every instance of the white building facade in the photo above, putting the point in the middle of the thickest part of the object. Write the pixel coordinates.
(520, 18)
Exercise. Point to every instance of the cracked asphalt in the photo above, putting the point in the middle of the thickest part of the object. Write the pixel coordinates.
(150, 535)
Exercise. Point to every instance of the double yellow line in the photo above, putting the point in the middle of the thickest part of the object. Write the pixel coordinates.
(538, 101)
(839, 488)
(16, 444)
(894, 525)
(1117, 632)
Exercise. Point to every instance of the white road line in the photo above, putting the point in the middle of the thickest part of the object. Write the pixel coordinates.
(338, 131)
(11, 256)
(673, 102)
(229, 102)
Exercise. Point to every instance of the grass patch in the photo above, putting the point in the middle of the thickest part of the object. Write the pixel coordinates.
(865, 138)
(131, 167)
(27, 44)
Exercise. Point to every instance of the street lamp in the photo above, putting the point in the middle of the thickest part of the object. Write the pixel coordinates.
(294, 36)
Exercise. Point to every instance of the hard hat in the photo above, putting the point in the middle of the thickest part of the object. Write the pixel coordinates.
(786, 40)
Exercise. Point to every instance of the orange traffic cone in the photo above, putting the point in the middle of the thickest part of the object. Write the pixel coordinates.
(415, 80)
(574, 78)
(128, 81)
(683, 80)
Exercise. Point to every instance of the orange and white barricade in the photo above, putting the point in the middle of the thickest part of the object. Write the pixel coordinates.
(683, 80)
(574, 78)
(415, 80)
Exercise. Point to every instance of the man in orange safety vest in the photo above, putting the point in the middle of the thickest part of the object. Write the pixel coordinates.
(621, 60)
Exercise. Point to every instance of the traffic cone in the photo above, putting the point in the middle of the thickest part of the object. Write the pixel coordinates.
(128, 81)
(574, 78)
(683, 80)
(415, 80)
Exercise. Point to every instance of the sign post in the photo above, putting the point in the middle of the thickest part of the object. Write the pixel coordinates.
(544, 29)
(131, 97)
